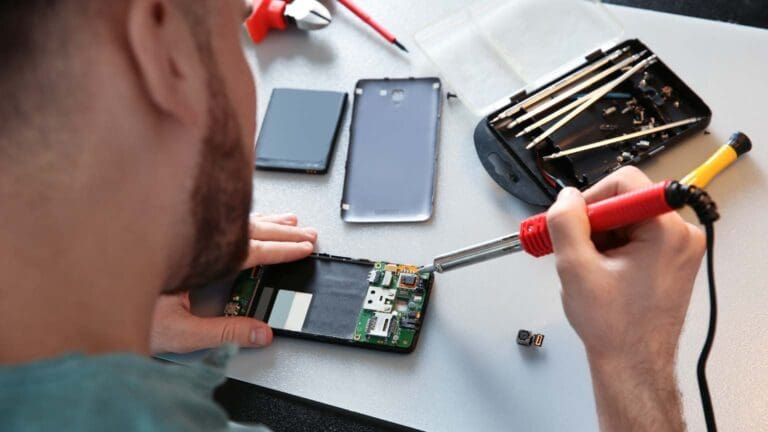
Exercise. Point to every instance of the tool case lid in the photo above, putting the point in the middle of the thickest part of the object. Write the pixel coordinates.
(496, 49)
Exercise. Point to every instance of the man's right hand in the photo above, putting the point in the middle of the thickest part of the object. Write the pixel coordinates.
(628, 303)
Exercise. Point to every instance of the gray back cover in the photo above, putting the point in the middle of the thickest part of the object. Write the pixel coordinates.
(390, 171)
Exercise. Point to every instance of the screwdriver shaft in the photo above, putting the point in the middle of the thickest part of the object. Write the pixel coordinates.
(593, 97)
(572, 91)
(621, 138)
(556, 87)
(553, 116)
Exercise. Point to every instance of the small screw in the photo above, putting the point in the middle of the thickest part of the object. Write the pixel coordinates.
(608, 111)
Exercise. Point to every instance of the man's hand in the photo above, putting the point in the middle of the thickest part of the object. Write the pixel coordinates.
(273, 239)
(628, 303)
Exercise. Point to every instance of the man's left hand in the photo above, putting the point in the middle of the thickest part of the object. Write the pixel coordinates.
(273, 239)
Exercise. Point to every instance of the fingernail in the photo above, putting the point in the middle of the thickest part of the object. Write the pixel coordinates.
(311, 232)
(258, 337)
(568, 192)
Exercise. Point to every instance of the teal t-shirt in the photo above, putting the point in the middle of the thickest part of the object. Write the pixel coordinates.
(116, 392)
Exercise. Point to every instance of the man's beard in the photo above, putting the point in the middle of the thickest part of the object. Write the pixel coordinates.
(221, 198)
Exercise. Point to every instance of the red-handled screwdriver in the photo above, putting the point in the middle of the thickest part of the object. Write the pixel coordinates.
(376, 26)
(616, 212)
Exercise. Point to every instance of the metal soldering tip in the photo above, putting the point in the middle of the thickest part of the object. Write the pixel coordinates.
(427, 269)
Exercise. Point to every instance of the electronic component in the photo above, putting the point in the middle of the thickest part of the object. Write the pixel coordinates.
(379, 299)
(407, 280)
(381, 324)
(392, 316)
(232, 308)
(374, 277)
(387, 281)
(526, 338)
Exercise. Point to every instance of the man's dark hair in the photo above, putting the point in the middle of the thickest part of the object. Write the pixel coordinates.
(22, 26)
(37, 44)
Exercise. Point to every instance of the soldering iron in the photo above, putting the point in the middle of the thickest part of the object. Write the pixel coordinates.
(616, 212)
(621, 211)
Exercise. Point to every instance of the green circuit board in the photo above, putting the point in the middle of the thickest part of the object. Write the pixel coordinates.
(392, 309)
(241, 297)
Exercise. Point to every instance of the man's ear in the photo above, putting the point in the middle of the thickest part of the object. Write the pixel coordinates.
(168, 61)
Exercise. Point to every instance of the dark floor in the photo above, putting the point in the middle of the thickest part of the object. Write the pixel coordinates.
(747, 12)
(282, 412)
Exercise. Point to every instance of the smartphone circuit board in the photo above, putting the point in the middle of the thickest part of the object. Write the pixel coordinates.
(359, 302)
(392, 310)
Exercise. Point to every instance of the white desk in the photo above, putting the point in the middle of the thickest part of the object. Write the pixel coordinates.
(468, 373)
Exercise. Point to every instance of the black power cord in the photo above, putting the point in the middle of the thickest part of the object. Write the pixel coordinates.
(678, 195)
(701, 373)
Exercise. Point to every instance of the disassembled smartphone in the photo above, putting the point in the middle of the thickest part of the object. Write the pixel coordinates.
(378, 305)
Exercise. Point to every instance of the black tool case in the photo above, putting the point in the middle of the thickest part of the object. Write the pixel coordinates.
(650, 98)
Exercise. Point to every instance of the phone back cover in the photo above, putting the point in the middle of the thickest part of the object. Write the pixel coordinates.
(390, 171)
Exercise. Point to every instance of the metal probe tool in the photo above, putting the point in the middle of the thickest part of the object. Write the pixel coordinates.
(621, 138)
(573, 90)
(592, 98)
(602, 91)
(556, 87)
(612, 213)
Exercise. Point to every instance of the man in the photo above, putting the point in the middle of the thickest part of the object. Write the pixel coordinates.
(125, 154)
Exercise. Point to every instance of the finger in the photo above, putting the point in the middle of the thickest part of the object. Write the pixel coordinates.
(270, 252)
(282, 219)
(624, 180)
(569, 228)
(213, 332)
(269, 231)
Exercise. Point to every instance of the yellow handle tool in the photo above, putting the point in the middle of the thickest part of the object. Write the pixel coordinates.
(736, 146)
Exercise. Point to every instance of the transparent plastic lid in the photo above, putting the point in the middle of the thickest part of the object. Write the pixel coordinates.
(491, 50)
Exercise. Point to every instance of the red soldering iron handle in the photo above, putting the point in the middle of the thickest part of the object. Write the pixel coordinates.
(612, 213)
(267, 14)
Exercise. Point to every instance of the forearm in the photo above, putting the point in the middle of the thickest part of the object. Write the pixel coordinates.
(636, 394)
